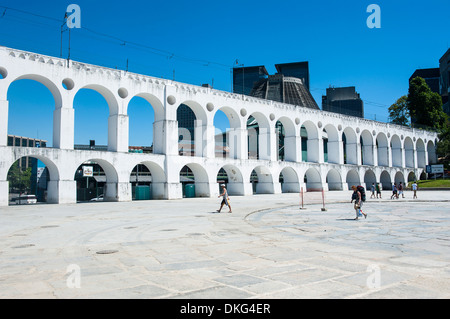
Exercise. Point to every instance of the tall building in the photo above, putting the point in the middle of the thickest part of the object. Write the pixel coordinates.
(299, 70)
(343, 100)
(285, 89)
(289, 85)
(431, 77)
(444, 80)
(244, 78)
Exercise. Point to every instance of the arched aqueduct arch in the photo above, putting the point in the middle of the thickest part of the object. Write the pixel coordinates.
(354, 145)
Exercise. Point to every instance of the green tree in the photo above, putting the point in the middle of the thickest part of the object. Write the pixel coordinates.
(443, 145)
(18, 179)
(399, 112)
(425, 106)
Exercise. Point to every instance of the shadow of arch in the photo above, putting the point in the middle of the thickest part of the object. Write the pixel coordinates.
(352, 178)
(235, 181)
(200, 180)
(104, 180)
(264, 181)
(313, 180)
(289, 180)
(334, 180)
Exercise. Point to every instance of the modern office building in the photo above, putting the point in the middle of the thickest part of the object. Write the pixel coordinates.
(444, 80)
(244, 78)
(343, 100)
(431, 77)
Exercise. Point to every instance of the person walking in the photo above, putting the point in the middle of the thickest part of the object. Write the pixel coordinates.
(225, 199)
(378, 189)
(414, 188)
(400, 190)
(356, 196)
(394, 191)
(372, 188)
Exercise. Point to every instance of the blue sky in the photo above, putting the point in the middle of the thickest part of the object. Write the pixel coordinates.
(198, 41)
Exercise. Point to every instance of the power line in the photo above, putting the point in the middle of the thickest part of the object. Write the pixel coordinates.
(153, 50)
(139, 46)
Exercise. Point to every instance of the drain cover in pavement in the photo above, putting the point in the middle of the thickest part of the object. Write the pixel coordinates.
(107, 251)
(23, 246)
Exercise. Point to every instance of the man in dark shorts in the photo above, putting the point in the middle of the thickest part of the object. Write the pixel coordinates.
(225, 200)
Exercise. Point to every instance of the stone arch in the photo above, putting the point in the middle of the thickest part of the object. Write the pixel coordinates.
(396, 147)
(313, 180)
(369, 178)
(399, 177)
(287, 139)
(334, 180)
(408, 146)
(201, 179)
(51, 121)
(290, 182)
(232, 115)
(385, 180)
(350, 145)
(110, 189)
(158, 179)
(115, 134)
(411, 177)
(333, 144)
(53, 171)
(156, 104)
(352, 178)
(142, 111)
(199, 111)
(258, 132)
(431, 151)
(312, 143)
(421, 153)
(265, 184)
(235, 184)
(367, 154)
(49, 84)
(382, 150)
(228, 140)
(192, 126)
(107, 95)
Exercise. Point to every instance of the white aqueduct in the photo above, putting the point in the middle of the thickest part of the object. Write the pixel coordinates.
(374, 151)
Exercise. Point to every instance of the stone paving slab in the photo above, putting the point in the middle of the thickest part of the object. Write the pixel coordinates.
(267, 248)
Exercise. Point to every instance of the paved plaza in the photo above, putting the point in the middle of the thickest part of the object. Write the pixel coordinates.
(267, 248)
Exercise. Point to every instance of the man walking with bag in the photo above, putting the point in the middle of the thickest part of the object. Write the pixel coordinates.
(357, 197)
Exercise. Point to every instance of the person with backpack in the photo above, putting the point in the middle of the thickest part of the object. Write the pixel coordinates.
(359, 196)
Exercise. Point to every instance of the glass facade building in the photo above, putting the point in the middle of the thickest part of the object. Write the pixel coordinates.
(343, 100)
(299, 70)
(444, 80)
(244, 78)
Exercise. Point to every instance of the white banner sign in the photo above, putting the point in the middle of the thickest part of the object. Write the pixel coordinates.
(88, 171)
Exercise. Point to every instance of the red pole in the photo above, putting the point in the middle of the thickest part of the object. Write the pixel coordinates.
(301, 196)
(323, 201)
